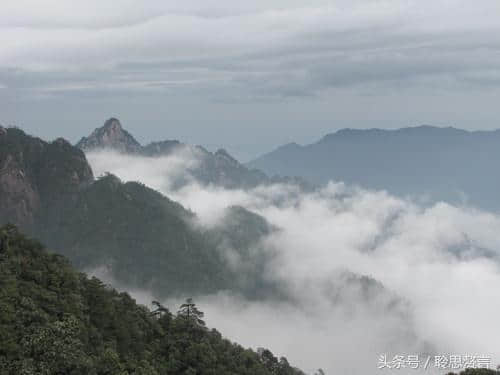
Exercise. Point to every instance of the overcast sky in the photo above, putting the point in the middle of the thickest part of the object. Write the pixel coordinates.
(248, 75)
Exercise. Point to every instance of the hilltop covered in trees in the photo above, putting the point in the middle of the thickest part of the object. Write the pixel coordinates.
(55, 320)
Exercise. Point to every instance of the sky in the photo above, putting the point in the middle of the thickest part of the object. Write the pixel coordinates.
(247, 76)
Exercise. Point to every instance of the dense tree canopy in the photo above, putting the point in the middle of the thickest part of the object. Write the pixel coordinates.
(55, 321)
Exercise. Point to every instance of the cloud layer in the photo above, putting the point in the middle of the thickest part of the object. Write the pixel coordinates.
(364, 272)
(248, 76)
(261, 49)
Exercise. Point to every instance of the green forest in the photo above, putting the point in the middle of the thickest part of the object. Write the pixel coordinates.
(55, 320)
(145, 239)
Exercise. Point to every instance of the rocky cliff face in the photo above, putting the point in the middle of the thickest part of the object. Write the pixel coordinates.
(18, 198)
(110, 136)
(34, 174)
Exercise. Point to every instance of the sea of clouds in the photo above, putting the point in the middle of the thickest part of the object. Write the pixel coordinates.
(365, 273)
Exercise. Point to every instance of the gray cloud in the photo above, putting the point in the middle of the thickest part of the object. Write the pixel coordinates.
(289, 70)
(300, 48)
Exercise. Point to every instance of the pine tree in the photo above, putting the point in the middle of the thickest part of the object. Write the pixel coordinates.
(190, 312)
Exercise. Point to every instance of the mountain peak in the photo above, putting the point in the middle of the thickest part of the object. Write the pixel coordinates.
(113, 124)
(112, 136)
(224, 154)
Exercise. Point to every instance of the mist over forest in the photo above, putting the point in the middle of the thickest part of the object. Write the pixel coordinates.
(359, 272)
(228, 187)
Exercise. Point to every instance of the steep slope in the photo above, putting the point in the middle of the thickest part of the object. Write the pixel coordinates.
(237, 237)
(442, 163)
(218, 168)
(141, 238)
(144, 239)
(35, 174)
(54, 320)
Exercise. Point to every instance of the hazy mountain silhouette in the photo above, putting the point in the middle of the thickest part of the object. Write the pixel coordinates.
(442, 163)
(217, 168)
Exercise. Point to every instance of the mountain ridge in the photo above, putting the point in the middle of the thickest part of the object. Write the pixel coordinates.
(217, 168)
(442, 163)
(48, 189)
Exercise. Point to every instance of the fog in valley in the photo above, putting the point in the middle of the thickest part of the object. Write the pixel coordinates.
(358, 273)
(320, 177)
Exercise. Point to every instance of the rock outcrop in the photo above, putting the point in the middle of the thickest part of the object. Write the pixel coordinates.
(216, 168)
(34, 174)
(110, 136)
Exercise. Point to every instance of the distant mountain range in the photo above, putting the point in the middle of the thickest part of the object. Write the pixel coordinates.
(440, 163)
(218, 168)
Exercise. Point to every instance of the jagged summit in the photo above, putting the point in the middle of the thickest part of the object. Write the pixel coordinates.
(224, 154)
(112, 123)
(111, 136)
(217, 168)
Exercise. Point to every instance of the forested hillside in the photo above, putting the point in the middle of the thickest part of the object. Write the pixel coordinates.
(141, 237)
(56, 321)
(146, 240)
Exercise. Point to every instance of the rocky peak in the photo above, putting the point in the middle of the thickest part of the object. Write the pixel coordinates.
(110, 136)
(219, 168)
(113, 125)
(221, 153)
